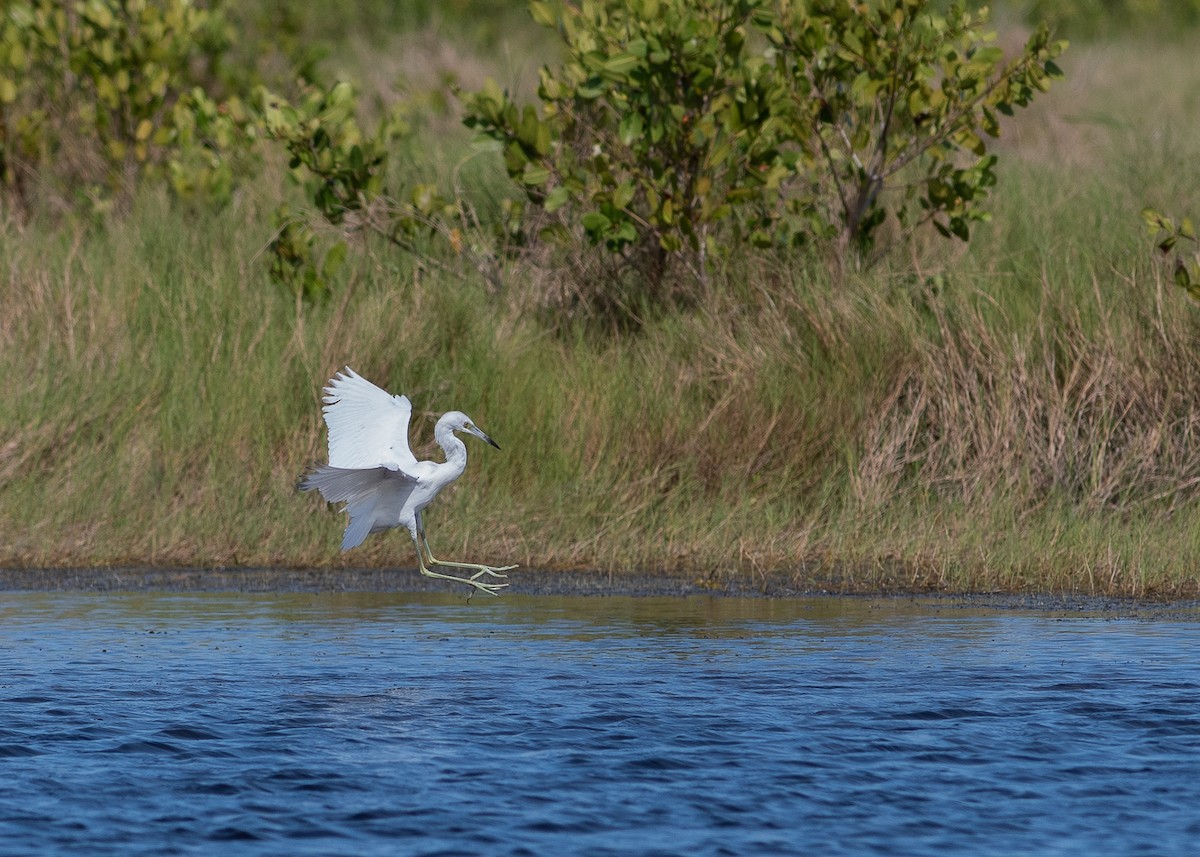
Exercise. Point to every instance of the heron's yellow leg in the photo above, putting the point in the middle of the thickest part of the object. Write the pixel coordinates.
(480, 568)
(489, 588)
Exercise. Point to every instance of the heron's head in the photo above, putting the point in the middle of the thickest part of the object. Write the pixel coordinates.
(458, 421)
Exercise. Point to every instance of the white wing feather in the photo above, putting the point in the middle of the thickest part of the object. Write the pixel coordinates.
(368, 426)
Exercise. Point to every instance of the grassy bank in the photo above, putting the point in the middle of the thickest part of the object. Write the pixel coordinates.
(1017, 414)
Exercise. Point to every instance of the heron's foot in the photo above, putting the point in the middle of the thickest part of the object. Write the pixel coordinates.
(492, 571)
(478, 567)
(481, 585)
(484, 586)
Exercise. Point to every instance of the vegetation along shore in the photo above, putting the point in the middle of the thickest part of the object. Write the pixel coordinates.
(744, 290)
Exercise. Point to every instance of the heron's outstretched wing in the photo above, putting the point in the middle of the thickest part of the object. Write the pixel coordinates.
(367, 425)
(374, 496)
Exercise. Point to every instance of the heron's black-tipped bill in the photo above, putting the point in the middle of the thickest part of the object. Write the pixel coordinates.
(478, 432)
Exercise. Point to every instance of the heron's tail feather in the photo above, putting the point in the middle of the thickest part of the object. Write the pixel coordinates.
(362, 518)
(352, 487)
(374, 496)
(336, 484)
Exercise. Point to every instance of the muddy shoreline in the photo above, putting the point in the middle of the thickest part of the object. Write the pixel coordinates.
(560, 583)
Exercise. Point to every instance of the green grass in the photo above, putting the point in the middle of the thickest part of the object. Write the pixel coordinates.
(1019, 414)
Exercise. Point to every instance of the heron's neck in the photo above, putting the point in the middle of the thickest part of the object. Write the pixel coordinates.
(455, 449)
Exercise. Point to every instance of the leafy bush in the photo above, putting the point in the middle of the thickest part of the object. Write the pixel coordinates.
(209, 145)
(893, 94)
(94, 93)
(341, 169)
(676, 130)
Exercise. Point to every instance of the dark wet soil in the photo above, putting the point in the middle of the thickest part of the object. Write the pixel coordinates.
(581, 583)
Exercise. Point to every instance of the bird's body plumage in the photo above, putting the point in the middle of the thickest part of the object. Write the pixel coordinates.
(373, 471)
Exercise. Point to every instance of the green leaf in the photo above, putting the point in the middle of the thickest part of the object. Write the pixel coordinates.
(335, 257)
(630, 128)
(591, 90)
(595, 222)
(534, 175)
(543, 13)
(1155, 221)
(647, 10)
(555, 233)
(623, 195)
(556, 199)
(621, 64)
(424, 197)
(342, 95)
(1193, 286)
(99, 14)
(970, 141)
(1183, 278)
(530, 127)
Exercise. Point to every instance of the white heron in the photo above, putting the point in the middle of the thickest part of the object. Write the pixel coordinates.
(373, 471)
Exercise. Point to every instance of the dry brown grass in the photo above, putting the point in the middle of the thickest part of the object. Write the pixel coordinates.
(1101, 415)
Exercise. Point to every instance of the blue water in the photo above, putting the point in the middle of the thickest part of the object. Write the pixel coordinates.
(417, 724)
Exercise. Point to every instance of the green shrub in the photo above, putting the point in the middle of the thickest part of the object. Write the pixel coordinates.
(893, 97)
(342, 168)
(209, 145)
(94, 93)
(677, 130)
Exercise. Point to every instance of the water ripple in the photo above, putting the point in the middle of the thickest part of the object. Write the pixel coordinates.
(388, 724)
